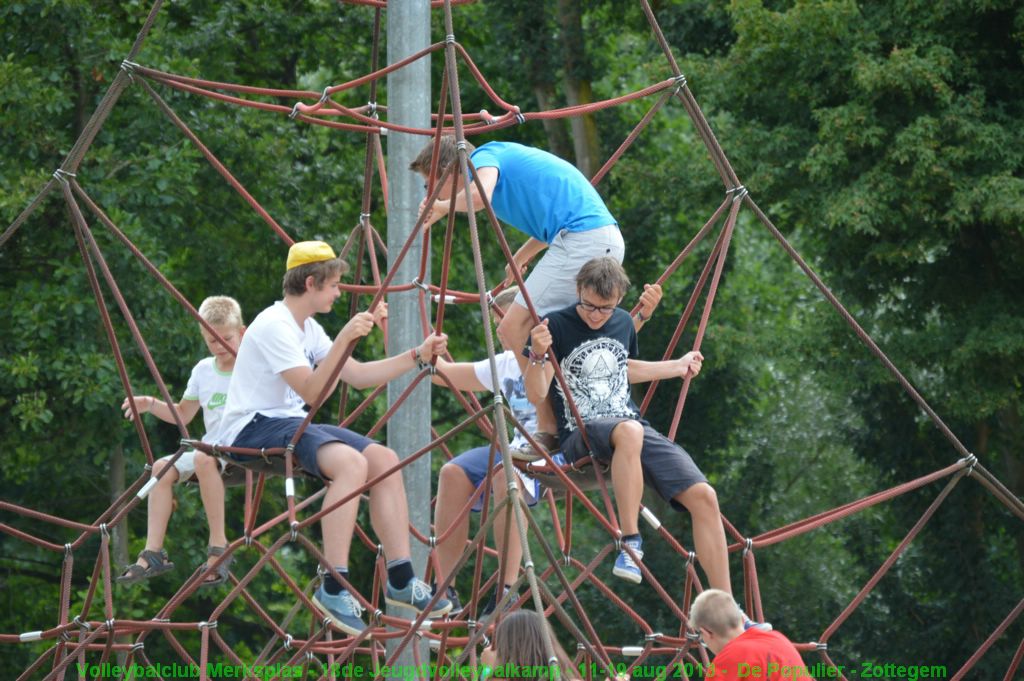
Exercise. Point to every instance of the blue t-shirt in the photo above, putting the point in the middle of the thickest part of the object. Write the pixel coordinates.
(540, 193)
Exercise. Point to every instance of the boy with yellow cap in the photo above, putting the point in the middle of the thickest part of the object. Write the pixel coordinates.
(285, 361)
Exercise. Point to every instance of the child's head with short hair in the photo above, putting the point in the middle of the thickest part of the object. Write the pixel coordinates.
(604, 277)
(505, 298)
(447, 155)
(310, 259)
(224, 314)
(716, 611)
(221, 311)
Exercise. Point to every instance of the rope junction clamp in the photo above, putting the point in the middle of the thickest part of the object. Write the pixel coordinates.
(67, 550)
(692, 636)
(749, 546)
(61, 175)
(372, 110)
(84, 626)
(449, 39)
(431, 541)
(141, 645)
(207, 625)
(295, 531)
(288, 637)
(325, 95)
(680, 80)
(295, 111)
(419, 284)
(820, 646)
(110, 624)
(654, 636)
(103, 530)
(520, 118)
(970, 461)
(566, 560)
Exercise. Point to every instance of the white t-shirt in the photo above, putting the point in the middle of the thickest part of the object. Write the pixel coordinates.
(209, 386)
(273, 343)
(510, 380)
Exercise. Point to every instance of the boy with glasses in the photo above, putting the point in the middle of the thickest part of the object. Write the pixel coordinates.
(596, 346)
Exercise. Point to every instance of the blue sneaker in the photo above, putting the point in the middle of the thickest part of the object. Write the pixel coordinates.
(416, 595)
(344, 610)
(751, 624)
(625, 567)
(453, 596)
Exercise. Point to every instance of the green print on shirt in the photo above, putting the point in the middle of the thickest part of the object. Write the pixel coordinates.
(217, 400)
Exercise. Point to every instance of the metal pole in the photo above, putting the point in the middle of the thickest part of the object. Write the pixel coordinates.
(408, 31)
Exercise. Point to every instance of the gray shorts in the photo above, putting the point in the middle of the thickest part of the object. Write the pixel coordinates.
(667, 467)
(552, 281)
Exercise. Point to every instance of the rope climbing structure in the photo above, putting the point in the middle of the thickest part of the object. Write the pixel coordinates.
(87, 631)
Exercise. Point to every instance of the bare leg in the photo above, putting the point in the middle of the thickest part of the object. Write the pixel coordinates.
(511, 553)
(453, 491)
(389, 509)
(627, 475)
(161, 501)
(211, 489)
(708, 533)
(347, 470)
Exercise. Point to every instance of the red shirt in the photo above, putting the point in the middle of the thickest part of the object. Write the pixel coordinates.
(757, 655)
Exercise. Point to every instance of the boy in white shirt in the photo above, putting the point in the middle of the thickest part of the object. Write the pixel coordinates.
(207, 389)
(285, 361)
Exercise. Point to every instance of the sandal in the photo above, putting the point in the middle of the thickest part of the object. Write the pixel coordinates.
(220, 573)
(525, 452)
(156, 564)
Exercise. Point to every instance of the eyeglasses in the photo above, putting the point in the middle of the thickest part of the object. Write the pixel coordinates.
(601, 309)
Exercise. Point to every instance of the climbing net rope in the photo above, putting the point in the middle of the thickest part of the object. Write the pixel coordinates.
(89, 636)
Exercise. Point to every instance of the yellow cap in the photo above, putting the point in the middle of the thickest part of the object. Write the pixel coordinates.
(305, 252)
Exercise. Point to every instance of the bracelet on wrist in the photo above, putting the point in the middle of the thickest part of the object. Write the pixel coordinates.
(641, 317)
(538, 359)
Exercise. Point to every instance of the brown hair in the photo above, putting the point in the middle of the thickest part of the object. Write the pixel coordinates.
(447, 154)
(604, 276)
(294, 283)
(519, 642)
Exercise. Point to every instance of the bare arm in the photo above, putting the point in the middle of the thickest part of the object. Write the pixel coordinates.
(526, 253)
(187, 409)
(649, 301)
(644, 372)
(488, 178)
(538, 375)
(461, 374)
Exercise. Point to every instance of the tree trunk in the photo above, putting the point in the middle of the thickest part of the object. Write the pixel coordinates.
(577, 86)
(554, 128)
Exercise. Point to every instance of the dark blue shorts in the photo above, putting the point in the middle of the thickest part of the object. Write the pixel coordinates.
(475, 462)
(264, 432)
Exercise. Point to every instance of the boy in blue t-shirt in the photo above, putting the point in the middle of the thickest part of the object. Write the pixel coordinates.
(551, 201)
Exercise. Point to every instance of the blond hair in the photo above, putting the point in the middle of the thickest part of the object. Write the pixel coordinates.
(715, 611)
(221, 311)
(505, 298)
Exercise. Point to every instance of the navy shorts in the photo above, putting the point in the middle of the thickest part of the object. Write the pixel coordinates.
(264, 432)
(475, 462)
(667, 467)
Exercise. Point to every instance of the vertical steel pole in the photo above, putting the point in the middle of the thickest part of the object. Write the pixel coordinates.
(408, 101)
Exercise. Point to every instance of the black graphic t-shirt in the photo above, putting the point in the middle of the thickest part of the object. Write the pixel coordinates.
(595, 365)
